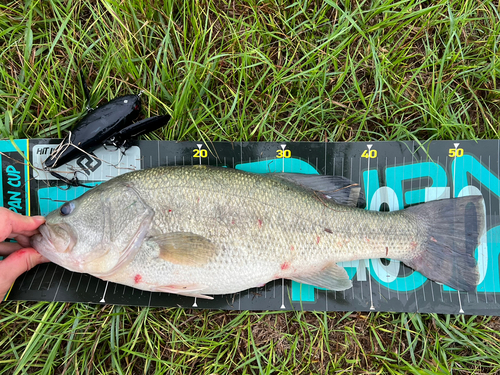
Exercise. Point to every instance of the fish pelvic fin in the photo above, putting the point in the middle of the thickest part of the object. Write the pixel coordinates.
(333, 277)
(454, 230)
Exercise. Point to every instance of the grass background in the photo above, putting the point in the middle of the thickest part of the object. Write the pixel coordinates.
(263, 71)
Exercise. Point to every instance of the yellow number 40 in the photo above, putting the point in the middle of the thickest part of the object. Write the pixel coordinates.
(372, 154)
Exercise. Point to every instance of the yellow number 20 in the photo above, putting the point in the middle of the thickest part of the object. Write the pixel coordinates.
(200, 153)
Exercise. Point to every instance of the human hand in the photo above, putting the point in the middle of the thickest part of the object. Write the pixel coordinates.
(21, 257)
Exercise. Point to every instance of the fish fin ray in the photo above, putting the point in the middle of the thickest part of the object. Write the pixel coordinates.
(339, 189)
(453, 230)
(185, 248)
(332, 277)
(191, 290)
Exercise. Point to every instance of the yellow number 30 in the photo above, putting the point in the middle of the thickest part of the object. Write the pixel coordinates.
(283, 154)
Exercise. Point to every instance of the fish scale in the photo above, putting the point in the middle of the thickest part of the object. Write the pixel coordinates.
(218, 231)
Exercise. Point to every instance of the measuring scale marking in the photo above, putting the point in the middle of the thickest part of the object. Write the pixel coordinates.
(104, 294)
(461, 311)
(372, 307)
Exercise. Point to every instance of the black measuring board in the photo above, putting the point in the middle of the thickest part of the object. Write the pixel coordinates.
(393, 175)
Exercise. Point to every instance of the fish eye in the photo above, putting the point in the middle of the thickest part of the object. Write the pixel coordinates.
(67, 208)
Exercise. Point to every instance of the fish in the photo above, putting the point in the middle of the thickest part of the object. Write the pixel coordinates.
(200, 231)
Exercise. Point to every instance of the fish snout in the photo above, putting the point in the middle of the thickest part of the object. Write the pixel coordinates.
(58, 238)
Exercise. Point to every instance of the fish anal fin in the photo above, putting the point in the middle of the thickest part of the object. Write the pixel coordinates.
(333, 277)
(191, 290)
(185, 248)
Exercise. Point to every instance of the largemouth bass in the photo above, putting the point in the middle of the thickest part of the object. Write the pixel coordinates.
(201, 230)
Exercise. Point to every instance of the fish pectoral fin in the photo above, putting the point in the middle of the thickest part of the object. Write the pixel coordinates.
(192, 290)
(332, 277)
(185, 248)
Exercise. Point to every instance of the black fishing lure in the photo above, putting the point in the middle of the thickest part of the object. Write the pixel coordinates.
(111, 124)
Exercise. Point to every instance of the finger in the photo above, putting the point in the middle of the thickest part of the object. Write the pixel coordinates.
(16, 264)
(24, 241)
(7, 248)
(14, 224)
(27, 233)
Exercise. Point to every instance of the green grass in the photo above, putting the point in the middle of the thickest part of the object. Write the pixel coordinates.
(262, 71)
(77, 338)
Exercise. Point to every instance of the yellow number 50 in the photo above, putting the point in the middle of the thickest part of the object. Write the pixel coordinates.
(459, 152)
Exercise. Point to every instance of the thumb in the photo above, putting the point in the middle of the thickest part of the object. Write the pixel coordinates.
(15, 224)
(16, 264)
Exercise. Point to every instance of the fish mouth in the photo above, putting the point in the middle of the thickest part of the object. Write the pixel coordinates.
(42, 243)
(44, 231)
(53, 239)
(55, 243)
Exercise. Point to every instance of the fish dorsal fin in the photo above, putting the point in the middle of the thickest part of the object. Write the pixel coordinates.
(340, 189)
(185, 248)
(332, 277)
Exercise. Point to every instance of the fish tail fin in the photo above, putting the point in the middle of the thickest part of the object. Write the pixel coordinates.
(454, 229)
